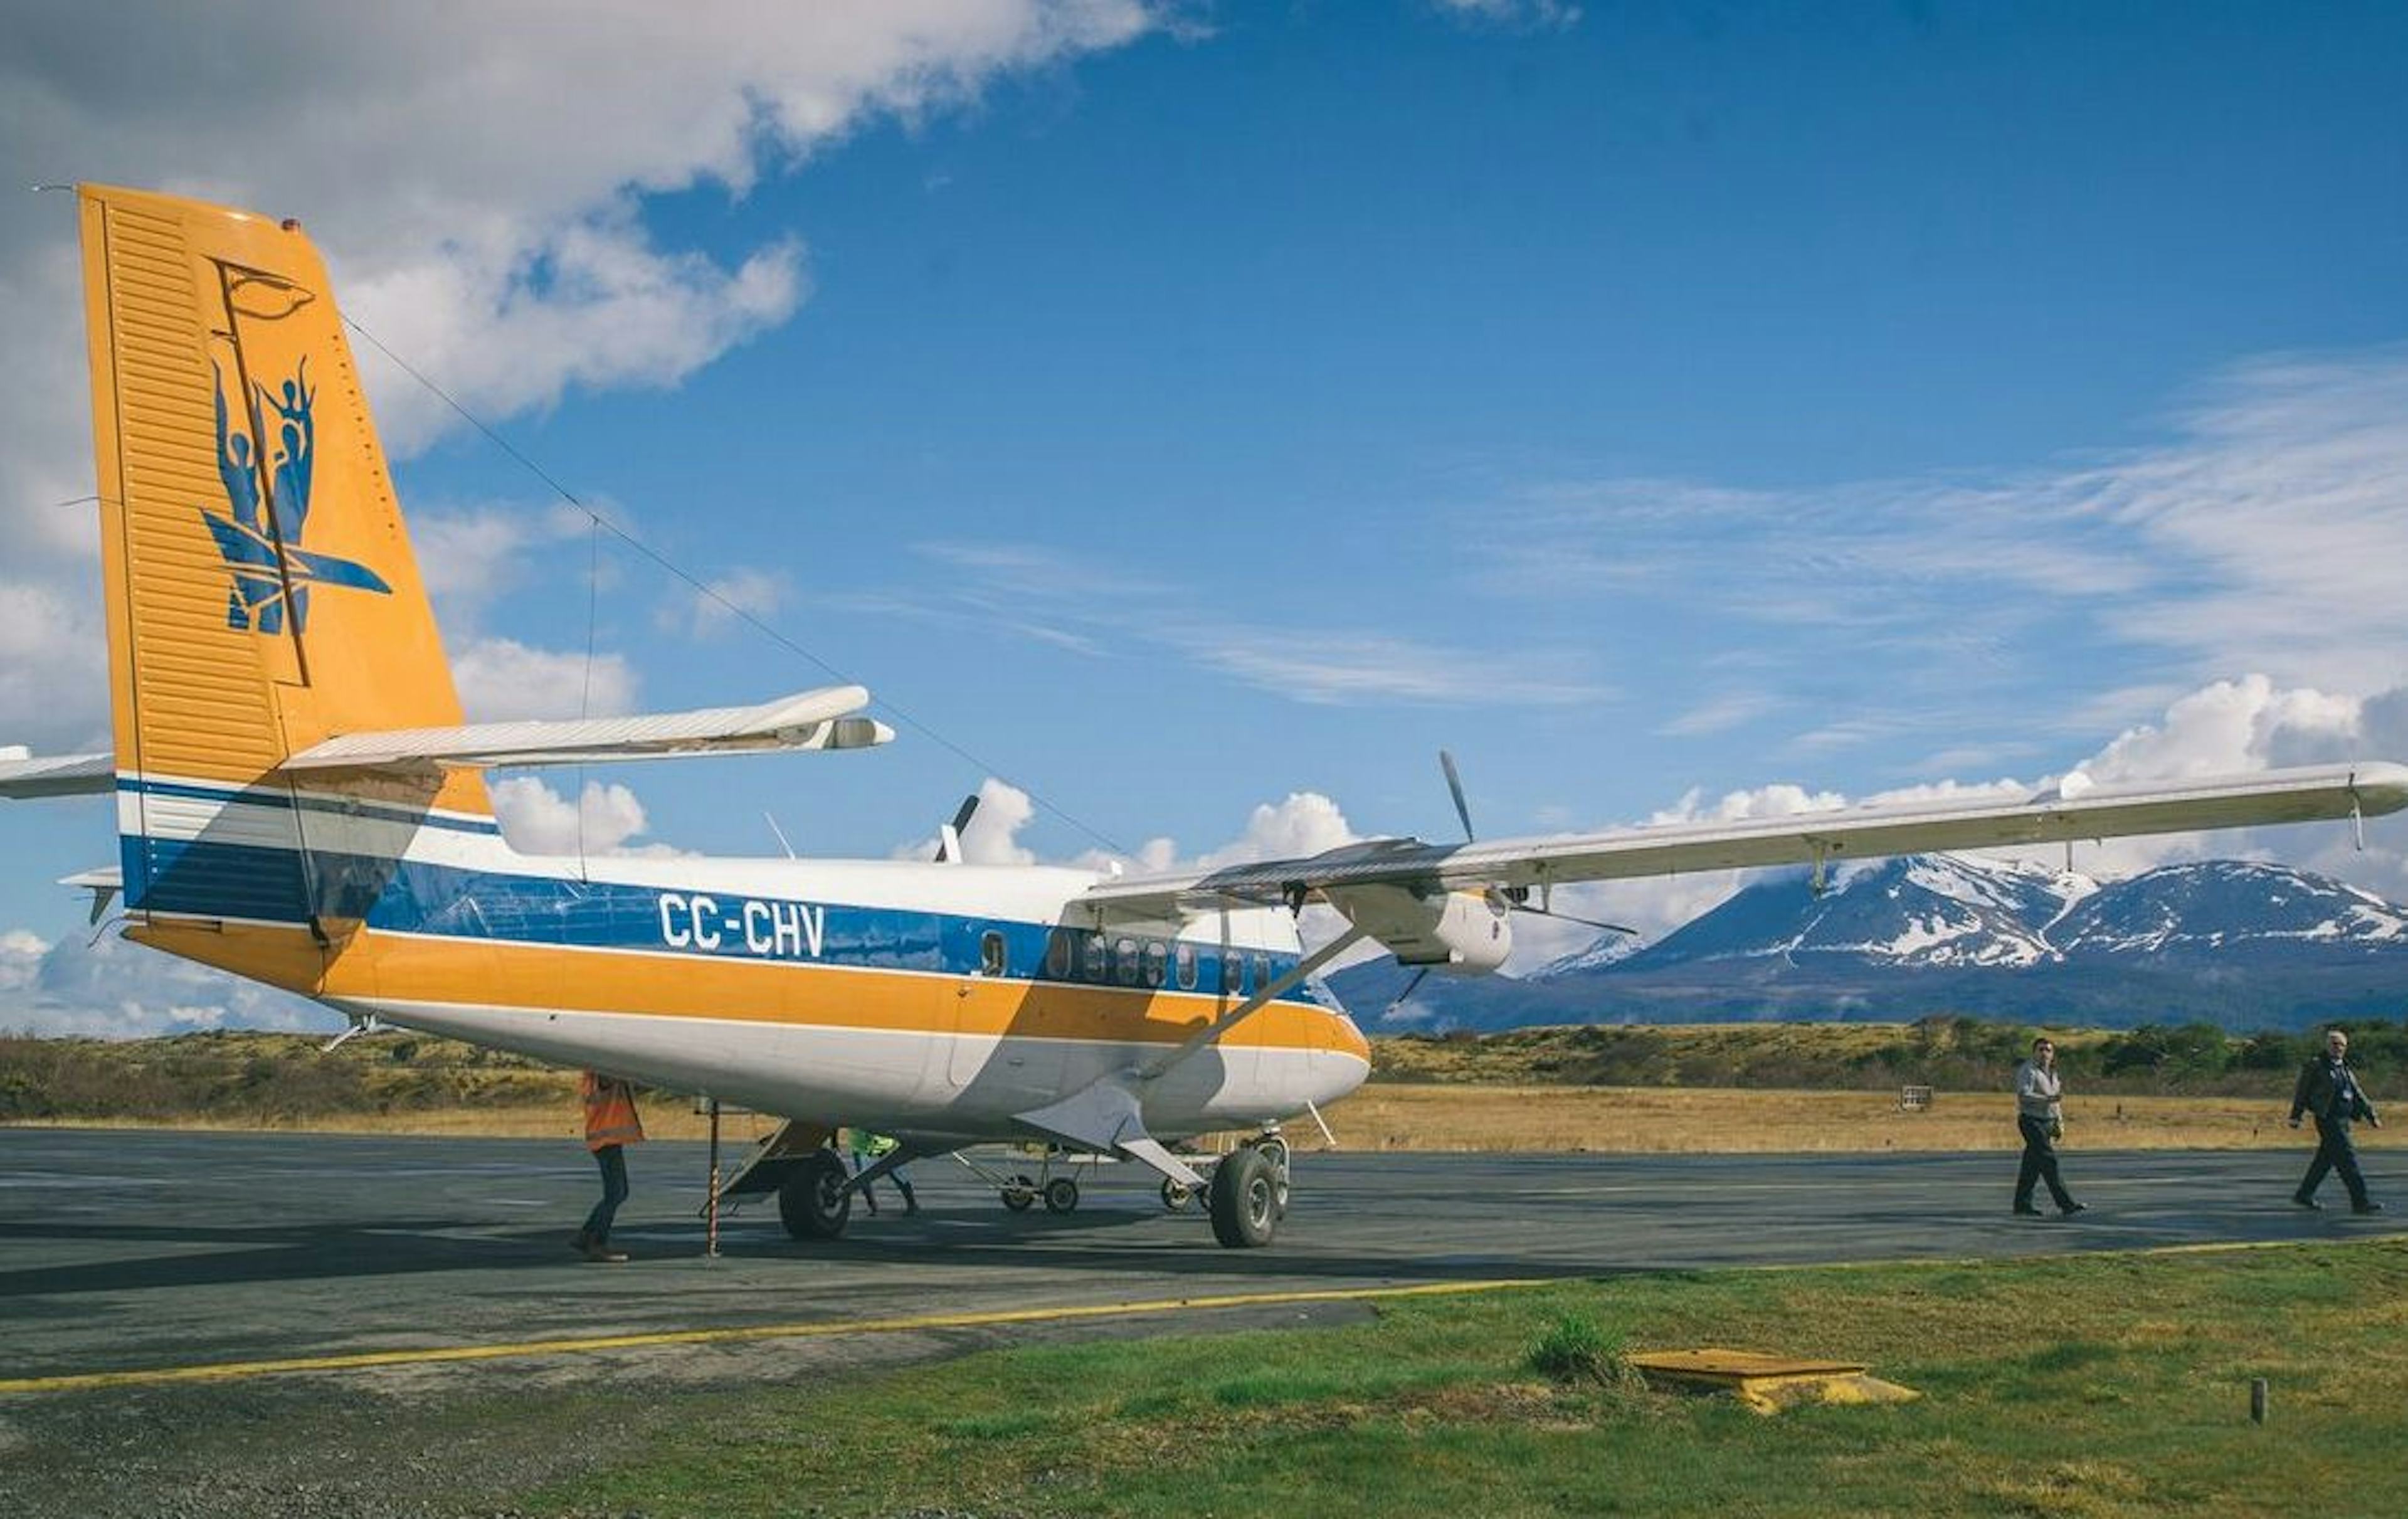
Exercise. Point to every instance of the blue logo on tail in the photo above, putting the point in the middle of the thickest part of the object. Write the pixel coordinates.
(265, 557)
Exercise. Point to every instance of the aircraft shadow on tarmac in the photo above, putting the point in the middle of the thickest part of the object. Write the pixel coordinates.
(199, 1255)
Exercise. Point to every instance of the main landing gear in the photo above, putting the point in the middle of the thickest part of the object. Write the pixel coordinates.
(812, 1202)
(1245, 1195)
(1248, 1192)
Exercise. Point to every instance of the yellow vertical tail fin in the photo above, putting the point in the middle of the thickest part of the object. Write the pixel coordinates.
(262, 594)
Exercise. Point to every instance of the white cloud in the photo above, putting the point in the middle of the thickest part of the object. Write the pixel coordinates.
(53, 680)
(2260, 534)
(470, 556)
(474, 175)
(537, 819)
(1331, 667)
(1721, 715)
(501, 678)
(723, 602)
(112, 988)
(992, 835)
(1521, 15)
(1305, 823)
(1088, 606)
(21, 959)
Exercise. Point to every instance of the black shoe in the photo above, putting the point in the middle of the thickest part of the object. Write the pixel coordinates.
(2072, 1208)
(2025, 1209)
(2309, 1203)
(2365, 1208)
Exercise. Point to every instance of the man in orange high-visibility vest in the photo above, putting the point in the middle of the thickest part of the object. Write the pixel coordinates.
(610, 1126)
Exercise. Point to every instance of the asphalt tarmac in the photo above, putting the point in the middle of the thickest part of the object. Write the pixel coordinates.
(146, 1251)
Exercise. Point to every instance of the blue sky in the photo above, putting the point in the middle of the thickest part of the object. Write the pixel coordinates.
(1180, 409)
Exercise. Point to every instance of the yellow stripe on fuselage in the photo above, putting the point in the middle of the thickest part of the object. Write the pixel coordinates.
(374, 965)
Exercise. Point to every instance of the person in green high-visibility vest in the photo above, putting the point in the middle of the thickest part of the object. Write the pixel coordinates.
(868, 1150)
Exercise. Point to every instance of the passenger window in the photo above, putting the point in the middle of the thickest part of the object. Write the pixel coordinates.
(1262, 973)
(1097, 970)
(991, 956)
(1057, 954)
(1155, 957)
(1233, 974)
(1187, 967)
(1124, 962)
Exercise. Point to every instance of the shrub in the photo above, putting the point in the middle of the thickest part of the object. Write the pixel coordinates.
(1573, 1349)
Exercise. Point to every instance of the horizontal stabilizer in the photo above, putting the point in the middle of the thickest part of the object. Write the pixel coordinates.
(57, 775)
(812, 719)
(104, 883)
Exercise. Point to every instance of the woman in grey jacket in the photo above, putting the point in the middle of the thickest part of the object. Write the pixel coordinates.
(2040, 1115)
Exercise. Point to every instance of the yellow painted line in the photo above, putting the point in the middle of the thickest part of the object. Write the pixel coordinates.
(231, 1370)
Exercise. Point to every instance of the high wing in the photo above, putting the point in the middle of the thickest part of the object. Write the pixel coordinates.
(2302, 794)
(811, 720)
(24, 778)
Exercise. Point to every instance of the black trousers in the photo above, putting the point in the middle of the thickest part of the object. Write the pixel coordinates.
(2040, 1164)
(2335, 1152)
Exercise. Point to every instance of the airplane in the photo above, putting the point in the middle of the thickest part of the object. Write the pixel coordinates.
(300, 802)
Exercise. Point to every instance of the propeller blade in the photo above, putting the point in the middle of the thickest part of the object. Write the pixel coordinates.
(948, 838)
(1455, 784)
(1410, 987)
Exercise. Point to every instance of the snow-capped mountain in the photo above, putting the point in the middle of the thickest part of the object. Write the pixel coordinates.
(2197, 912)
(1926, 909)
(2233, 942)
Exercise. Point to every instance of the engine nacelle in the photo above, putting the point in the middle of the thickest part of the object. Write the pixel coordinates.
(1465, 932)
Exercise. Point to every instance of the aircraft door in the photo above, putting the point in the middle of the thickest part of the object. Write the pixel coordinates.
(994, 999)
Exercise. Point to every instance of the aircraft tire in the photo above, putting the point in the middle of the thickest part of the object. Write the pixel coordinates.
(1018, 1194)
(1061, 1195)
(1245, 1199)
(812, 1203)
(1177, 1195)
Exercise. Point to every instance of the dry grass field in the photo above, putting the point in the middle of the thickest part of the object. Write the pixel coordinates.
(1632, 1089)
(1556, 1119)
(1690, 1120)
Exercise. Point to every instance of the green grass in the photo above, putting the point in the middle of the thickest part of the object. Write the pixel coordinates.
(2100, 1387)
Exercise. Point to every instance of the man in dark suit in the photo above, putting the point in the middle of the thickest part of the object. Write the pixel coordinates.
(2328, 1089)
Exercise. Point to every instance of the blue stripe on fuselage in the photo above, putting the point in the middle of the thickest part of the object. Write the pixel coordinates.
(206, 878)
